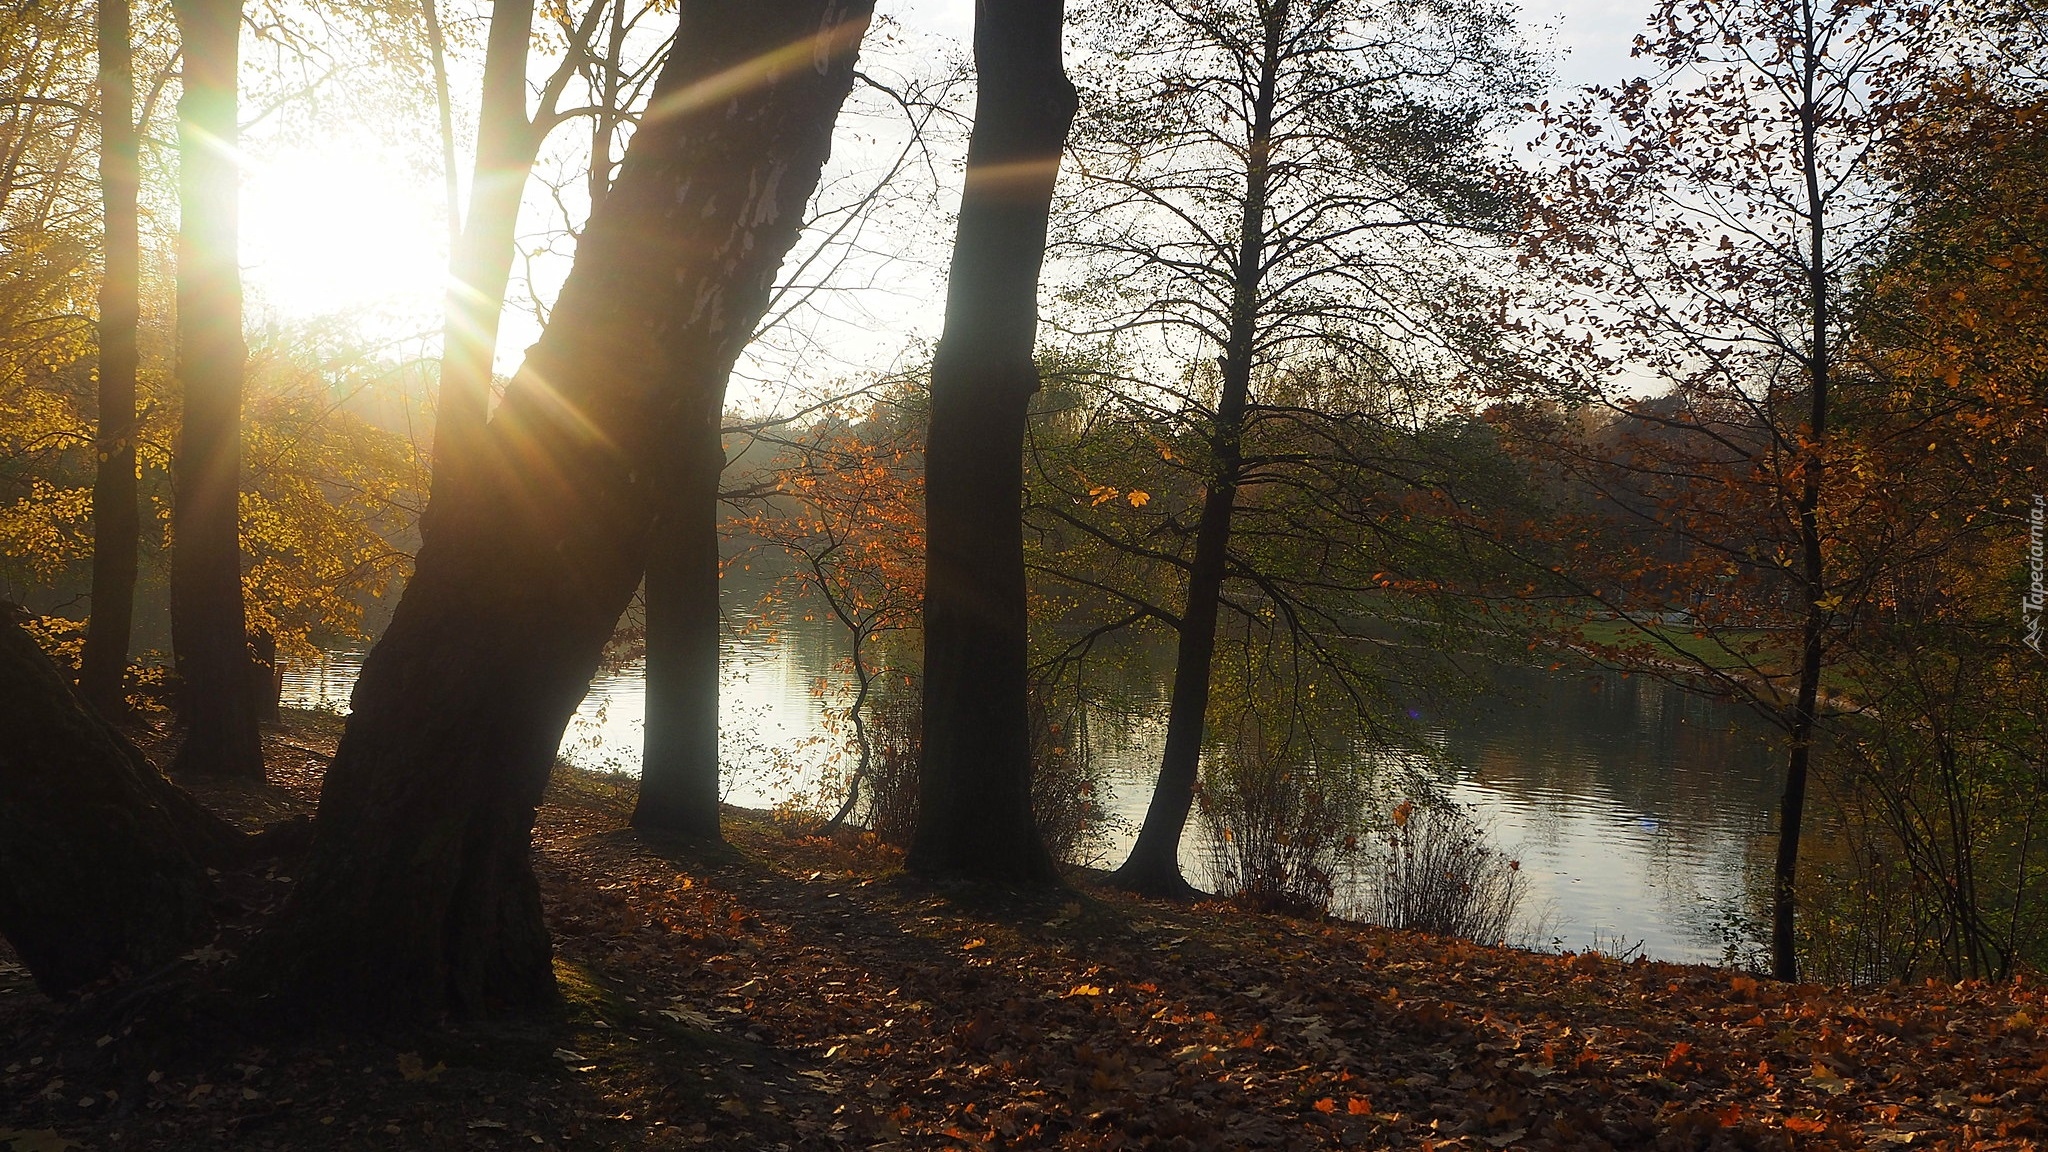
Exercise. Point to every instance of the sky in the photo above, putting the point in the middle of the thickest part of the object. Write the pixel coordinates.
(352, 220)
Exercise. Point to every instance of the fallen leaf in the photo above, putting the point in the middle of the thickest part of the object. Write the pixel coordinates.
(690, 1016)
(412, 1067)
(1825, 1079)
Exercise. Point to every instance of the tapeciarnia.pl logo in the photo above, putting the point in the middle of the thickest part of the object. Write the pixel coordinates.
(2037, 587)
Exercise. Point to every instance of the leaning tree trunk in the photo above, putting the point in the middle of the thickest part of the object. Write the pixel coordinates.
(679, 765)
(207, 620)
(1153, 866)
(974, 784)
(419, 896)
(116, 526)
(102, 860)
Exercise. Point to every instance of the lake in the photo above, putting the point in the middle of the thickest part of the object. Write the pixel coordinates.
(1639, 811)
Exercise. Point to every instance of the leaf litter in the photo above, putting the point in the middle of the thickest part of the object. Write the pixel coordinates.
(803, 993)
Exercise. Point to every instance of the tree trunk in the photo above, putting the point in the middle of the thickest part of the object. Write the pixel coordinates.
(1812, 567)
(481, 265)
(679, 767)
(974, 783)
(1153, 867)
(207, 621)
(266, 678)
(444, 108)
(418, 897)
(679, 785)
(116, 525)
(102, 860)
(605, 122)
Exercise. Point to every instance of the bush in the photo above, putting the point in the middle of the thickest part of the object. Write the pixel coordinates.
(888, 799)
(1282, 824)
(1439, 875)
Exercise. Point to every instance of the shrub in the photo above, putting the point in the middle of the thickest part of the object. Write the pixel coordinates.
(1439, 875)
(1282, 823)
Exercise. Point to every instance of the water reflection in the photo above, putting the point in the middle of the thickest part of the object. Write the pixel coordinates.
(1633, 805)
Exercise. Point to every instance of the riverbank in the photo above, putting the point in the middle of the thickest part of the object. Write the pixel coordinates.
(804, 993)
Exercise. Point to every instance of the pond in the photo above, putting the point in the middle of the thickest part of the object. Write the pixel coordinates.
(1638, 811)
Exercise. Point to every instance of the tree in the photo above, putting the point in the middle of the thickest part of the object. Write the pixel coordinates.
(508, 141)
(680, 769)
(418, 896)
(1269, 183)
(679, 777)
(47, 249)
(974, 781)
(116, 523)
(102, 860)
(847, 509)
(1937, 794)
(1704, 226)
(208, 627)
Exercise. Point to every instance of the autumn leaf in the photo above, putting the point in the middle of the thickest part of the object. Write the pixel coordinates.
(1827, 1080)
(412, 1068)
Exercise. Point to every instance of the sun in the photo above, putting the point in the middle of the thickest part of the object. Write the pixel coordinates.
(347, 226)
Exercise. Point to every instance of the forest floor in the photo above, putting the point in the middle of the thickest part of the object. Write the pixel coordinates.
(788, 992)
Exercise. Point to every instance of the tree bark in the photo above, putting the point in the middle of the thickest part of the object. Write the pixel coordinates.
(207, 619)
(102, 860)
(679, 782)
(1153, 867)
(418, 897)
(974, 782)
(116, 524)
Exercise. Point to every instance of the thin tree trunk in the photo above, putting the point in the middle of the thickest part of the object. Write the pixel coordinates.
(974, 781)
(1812, 570)
(437, 59)
(480, 267)
(207, 620)
(606, 120)
(102, 860)
(679, 783)
(116, 524)
(419, 897)
(1153, 866)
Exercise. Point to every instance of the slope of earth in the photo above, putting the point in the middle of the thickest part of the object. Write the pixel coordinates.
(791, 992)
